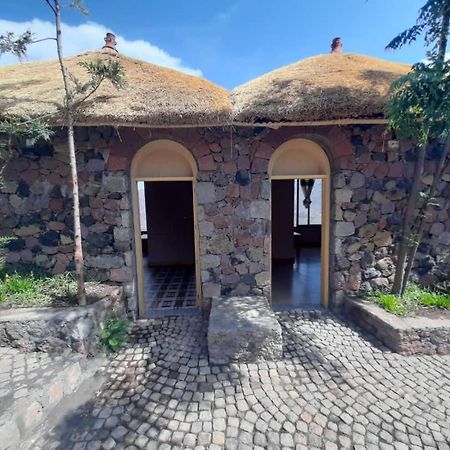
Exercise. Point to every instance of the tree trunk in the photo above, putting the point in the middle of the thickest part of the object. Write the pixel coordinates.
(408, 221)
(442, 48)
(422, 215)
(79, 263)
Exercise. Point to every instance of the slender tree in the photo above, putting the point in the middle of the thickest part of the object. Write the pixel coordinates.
(419, 108)
(75, 94)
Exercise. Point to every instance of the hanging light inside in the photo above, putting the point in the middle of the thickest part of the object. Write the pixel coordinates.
(307, 187)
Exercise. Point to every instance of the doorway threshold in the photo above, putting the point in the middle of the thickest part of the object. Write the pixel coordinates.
(167, 312)
(306, 307)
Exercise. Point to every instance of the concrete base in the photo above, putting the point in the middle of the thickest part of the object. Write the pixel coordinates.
(243, 329)
(406, 335)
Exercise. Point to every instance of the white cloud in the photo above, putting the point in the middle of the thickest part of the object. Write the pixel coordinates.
(84, 37)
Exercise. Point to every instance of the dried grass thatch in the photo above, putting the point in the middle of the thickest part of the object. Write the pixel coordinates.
(153, 95)
(326, 87)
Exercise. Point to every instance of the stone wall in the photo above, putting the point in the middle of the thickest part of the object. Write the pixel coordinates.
(406, 335)
(57, 330)
(36, 207)
(369, 187)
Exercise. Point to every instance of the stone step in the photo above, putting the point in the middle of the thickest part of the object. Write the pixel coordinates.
(243, 329)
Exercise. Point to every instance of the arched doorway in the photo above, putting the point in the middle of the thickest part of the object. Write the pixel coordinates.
(296, 168)
(163, 183)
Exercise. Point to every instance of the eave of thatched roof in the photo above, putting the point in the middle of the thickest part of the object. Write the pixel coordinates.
(323, 88)
(152, 96)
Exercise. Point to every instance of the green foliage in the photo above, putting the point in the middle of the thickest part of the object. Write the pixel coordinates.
(25, 288)
(99, 71)
(33, 129)
(17, 45)
(5, 240)
(414, 298)
(79, 5)
(17, 284)
(436, 299)
(419, 104)
(391, 303)
(429, 24)
(15, 129)
(114, 335)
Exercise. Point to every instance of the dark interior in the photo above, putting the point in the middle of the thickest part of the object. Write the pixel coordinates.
(168, 245)
(295, 248)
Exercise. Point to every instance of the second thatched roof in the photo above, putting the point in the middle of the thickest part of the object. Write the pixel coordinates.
(153, 95)
(322, 88)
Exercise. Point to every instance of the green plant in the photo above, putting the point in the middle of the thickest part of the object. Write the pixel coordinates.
(5, 240)
(418, 108)
(414, 298)
(114, 335)
(435, 299)
(18, 285)
(392, 303)
(25, 286)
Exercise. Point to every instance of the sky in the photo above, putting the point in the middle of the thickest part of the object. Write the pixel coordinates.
(226, 41)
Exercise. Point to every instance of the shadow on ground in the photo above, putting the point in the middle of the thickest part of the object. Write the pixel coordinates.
(333, 385)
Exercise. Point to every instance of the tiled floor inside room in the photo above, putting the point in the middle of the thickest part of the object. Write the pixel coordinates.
(169, 287)
(297, 284)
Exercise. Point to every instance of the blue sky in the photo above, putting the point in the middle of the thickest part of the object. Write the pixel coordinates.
(227, 41)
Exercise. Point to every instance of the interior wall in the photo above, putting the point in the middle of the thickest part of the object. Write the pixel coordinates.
(170, 223)
(283, 219)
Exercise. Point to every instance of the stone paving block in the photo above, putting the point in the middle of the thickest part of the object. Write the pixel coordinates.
(243, 329)
(305, 400)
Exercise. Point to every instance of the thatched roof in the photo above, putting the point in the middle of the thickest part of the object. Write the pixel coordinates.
(321, 88)
(153, 95)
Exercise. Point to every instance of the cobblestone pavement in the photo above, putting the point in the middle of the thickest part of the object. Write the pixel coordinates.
(334, 388)
(21, 372)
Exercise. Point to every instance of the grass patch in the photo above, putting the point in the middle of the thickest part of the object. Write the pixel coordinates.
(391, 303)
(436, 299)
(28, 289)
(414, 299)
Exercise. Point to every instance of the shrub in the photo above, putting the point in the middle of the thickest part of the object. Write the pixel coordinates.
(114, 335)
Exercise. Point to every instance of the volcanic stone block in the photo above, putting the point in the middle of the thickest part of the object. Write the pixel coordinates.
(243, 329)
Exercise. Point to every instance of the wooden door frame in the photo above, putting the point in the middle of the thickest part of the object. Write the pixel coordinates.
(176, 149)
(138, 238)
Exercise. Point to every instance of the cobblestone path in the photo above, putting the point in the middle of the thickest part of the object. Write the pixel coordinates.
(334, 388)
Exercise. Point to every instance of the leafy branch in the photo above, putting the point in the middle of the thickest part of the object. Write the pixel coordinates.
(99, 72)
(419, 109)
(17, 45)
(432, 23)
(14, 129)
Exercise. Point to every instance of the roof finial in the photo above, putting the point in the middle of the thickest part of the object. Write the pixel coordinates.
(110, 42)
(336, 45)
